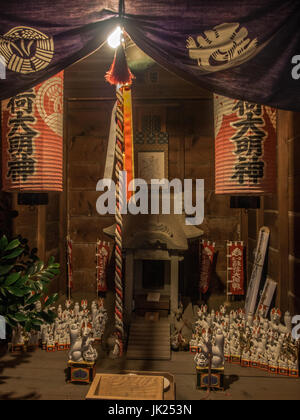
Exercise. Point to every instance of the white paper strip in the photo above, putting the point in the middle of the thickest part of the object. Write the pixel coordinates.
(110, 154)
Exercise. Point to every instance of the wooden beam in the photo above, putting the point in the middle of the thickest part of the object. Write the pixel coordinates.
(63, 217)
(174, 276)
(129, 287)
(284, 133)
(244, 235)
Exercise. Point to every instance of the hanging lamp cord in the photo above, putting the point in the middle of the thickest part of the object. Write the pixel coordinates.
(121, 10)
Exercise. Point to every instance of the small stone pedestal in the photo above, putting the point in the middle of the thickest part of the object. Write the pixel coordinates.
(216, 379)
(81, 371)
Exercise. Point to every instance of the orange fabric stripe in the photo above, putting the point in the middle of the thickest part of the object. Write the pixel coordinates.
(128, 138)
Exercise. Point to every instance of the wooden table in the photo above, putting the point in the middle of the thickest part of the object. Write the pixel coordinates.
(137, 386)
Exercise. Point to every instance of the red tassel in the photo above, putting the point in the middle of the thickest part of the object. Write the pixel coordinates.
(119, 72)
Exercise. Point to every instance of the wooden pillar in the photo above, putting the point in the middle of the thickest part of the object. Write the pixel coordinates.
(41, 232)
(260, 215)
(244, 237)
(129, 279)
(174, 283)
(284, 133)
(63, 213)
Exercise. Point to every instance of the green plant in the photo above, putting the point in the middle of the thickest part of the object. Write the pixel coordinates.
(24, 280)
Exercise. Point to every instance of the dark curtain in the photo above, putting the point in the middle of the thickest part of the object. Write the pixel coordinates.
(238, 48)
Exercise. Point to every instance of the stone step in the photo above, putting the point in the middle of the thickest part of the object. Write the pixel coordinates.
(146, 341)
(149, 341)
(141, 329)
(159, 334)
(139, 355)
(148, 344)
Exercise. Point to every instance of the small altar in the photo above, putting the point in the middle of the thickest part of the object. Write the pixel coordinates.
(148, 239)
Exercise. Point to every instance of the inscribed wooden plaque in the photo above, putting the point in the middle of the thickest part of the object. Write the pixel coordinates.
(130, 387)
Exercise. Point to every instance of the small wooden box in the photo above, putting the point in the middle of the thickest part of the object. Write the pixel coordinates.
(254, 364)
(283, 371)
(81, 371)
(264, 366)
(235, 359)
(216, 379)
(61, 347)
(293, 373)
(273, 369)
(245, 363)
(17, 348)
(50, 349)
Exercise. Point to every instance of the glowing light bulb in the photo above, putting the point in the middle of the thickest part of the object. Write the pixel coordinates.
(114, 39)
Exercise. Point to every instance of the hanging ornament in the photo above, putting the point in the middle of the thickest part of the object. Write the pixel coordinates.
(245, 147)
(206, 257)
(32, 138)
(102, 257)
(235, 268)
(119, 72)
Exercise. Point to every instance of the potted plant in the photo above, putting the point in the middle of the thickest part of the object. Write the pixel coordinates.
(24, 280)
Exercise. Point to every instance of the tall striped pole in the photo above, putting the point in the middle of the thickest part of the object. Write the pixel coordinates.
(119, 75)
(119, 219)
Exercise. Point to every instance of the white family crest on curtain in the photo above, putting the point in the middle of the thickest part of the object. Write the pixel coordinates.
(225, 46)
(26, 50)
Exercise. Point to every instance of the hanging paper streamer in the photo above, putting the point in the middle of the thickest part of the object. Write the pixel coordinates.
(235, 267)
(245, 147)
(32, 133)
(69, 261)
(102, 254)
(110, 154)
(128, 139)
(207, 252)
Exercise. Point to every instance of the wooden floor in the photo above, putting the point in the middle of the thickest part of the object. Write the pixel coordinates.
(149, 340)
(41, 375)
